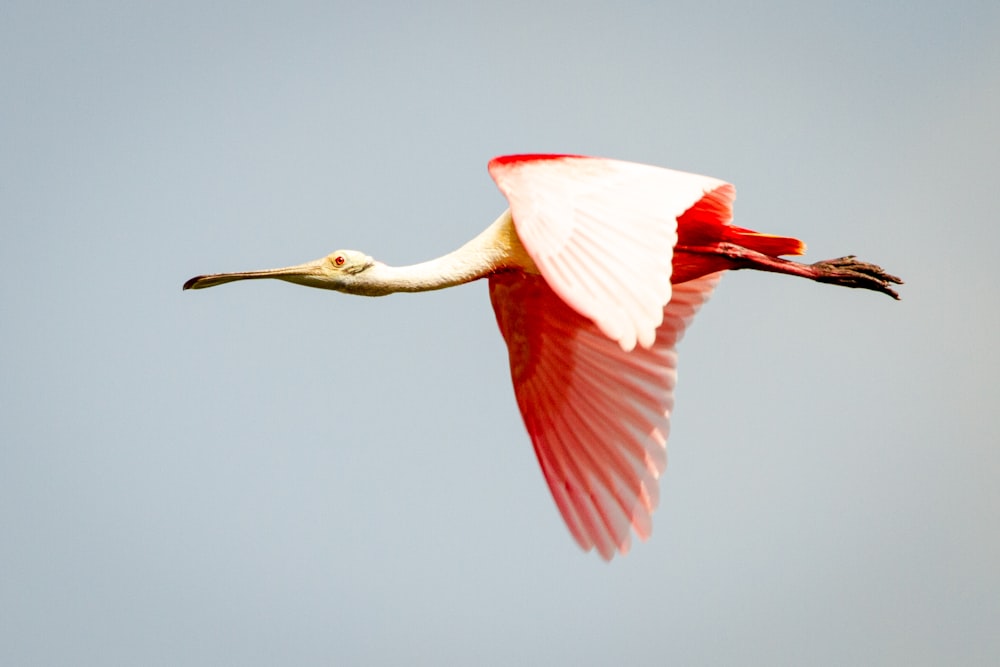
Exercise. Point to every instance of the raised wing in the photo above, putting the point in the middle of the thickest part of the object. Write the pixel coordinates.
(598, 416)
(602, 233)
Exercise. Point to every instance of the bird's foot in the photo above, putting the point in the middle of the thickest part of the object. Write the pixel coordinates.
(850, 272)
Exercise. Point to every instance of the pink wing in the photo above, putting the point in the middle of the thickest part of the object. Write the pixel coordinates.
(598, 416)
(602, 233)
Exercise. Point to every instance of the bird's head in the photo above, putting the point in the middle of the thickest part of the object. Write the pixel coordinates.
(342, 271)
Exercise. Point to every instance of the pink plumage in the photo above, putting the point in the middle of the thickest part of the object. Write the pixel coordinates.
(598, 416)
(597, 406)
(595, 271)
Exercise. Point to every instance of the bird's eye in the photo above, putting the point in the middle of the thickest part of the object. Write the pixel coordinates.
(339, 260)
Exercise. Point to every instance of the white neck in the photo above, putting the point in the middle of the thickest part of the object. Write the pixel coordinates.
(496, 249)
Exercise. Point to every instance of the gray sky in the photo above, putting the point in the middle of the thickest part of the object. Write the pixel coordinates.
(264, 474)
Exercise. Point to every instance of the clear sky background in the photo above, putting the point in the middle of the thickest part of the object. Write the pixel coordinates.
(264, 474)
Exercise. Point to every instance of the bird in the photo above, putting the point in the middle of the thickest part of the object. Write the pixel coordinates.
(595, 270)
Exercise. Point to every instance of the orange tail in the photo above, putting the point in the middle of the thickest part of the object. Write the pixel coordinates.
(697, 254)
(768, 244)
(704, 226)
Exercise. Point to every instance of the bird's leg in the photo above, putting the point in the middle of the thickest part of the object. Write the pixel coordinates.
(846, 271)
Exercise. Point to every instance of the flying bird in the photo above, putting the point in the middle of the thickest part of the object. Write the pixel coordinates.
(594, 272)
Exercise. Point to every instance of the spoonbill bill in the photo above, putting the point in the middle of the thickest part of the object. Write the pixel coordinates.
(594, 272)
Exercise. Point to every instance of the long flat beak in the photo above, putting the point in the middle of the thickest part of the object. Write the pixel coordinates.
(304, 274)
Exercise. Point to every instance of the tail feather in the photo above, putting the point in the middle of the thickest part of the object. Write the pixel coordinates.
(708, 222)
(768, 244)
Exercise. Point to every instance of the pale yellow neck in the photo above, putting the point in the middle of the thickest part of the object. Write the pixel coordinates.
(497, 248)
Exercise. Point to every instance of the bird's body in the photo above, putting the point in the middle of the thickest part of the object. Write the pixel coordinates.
(595, 270)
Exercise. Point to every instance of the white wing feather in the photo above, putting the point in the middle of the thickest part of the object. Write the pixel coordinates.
(602, 233)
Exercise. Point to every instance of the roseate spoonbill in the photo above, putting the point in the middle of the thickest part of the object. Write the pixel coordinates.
(594, 272)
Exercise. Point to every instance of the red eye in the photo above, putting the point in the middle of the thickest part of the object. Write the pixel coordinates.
(339, 261)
